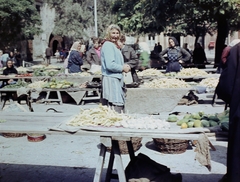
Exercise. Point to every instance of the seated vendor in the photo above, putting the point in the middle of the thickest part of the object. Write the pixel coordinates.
(8, 71)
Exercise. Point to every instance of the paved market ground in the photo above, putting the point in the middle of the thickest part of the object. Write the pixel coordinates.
(72, 158)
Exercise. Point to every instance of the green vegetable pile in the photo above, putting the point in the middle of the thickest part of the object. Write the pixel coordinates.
(200, 119)
(19, 84)
(58, 84)
(44, 72)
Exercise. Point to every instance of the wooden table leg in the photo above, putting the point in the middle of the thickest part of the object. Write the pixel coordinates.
(29, 102)
(4, 100)
(110, 167)
(99, 168)
(130, 149)
(59, 97)
(118, 161)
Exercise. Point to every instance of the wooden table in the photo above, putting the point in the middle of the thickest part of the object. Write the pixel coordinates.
(40, 123)
(6, 94)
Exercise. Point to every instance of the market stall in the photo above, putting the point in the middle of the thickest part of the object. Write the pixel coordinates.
(109, 136)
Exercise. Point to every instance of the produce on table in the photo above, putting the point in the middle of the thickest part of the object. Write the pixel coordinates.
(166, 83)
(37, 84)
(191, 72)
(150, 72)
(38, 66)
(52, 67)
(58, 84)
(44, 72)
(21, 70)
(100, 116)
(80, 74)
(105, 116)
(203, 120)
(209, 82)
(144, 123)
(25, 75)
(19, 84)
(171, 74)
(172, 118)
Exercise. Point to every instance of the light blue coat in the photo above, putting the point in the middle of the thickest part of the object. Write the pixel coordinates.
(112, 60)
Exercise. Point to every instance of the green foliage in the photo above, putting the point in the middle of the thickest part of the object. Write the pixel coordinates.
(180, 17)
(76, 16)
(19, 20)
(186, 17)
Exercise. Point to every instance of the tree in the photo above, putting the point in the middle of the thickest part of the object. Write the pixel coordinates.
(76, 16)
(19, 20)
(185, 17)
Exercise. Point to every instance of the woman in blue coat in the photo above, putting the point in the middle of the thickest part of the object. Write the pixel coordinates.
(75, 60)
(112, 70)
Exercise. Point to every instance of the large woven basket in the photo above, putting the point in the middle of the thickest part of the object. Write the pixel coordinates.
(136, 142)
(13, 135)
(171, 146)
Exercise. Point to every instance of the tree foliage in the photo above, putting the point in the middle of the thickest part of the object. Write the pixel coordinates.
(183, 17)
(74, 17)
(19, 20)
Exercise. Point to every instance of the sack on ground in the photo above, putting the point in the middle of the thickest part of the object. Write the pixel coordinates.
(142, 167)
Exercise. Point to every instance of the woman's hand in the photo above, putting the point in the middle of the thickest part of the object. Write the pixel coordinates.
(126, 68)
(180, 61)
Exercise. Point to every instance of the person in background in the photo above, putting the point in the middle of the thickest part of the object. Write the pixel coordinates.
(185, 46)
(136, 46)
(8, 71)
(175, 54)
(113, 66)
(130, 57)
(93, 55)
(11, 57)
(1, 62)
(199, 56)
(18, 58)
(48, 53)
(4, 58)
(75, 60)
(155, 49)
(159, 47)
(57, 54)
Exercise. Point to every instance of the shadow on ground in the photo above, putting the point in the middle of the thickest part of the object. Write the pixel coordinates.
(37, 173)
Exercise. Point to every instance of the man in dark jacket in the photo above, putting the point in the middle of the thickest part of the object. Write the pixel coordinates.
(233, 154)
(48, 53)
(130, 57)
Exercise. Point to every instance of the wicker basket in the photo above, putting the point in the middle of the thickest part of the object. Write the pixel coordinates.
(136, 142)
(13, 135)
(171, 146)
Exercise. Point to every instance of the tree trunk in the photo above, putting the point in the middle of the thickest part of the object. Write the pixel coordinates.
(221, 38)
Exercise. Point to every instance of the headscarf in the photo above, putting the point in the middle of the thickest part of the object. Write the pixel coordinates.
(75, 46)
(234, 42)
(174, 40)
